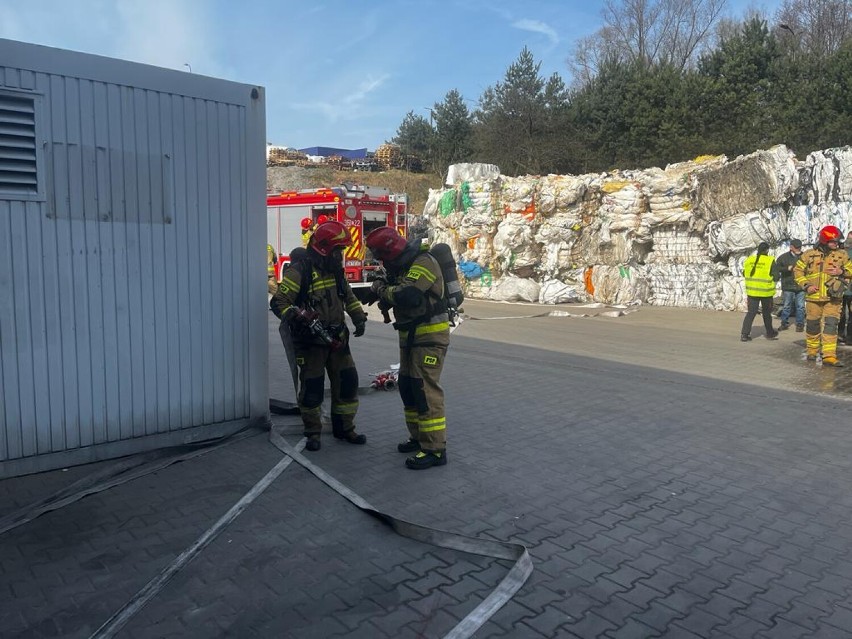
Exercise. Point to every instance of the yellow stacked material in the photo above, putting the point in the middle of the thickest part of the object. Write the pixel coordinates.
(702, 159)
(280, 156)
(337, 162)
(389, 156)
(615, 185)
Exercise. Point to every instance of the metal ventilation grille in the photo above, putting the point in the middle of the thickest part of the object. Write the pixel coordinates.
(17, 145)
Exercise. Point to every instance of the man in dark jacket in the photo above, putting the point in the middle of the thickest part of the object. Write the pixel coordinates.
(792, 292)
(844, 329)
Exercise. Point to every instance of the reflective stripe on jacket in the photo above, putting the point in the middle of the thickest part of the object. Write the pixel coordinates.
(425, 275)
(757, 271)
(270, 261)
(810, 270)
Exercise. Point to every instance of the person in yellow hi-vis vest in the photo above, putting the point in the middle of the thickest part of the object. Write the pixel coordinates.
(823, 272)
(271, 259)
(759, 270)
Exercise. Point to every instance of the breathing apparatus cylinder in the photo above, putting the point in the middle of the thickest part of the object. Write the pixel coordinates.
(452, 287)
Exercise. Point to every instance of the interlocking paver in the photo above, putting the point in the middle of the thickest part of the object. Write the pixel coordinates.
(642, 518)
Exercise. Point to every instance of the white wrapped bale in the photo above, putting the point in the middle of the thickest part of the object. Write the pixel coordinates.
(515, 248)
(745, 232)
(480, 216)
(480, 250)
(620, 284)
(558, 292)
(826, 176)
(687, 285)
(749, 183)
(556, 193)
(676, 244)
(514, 289)
(444, 208)
(623, 208)
(519, 195)
(804, 222)
(471, 172)
(430, 210)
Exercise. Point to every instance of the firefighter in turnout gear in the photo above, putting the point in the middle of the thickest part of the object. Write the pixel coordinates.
(822, 272)
(271, 260)
(311, 300)
(414, 289)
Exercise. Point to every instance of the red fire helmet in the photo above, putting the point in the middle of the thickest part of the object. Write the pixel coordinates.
(829, 234)
(386, 243)
(328, 236)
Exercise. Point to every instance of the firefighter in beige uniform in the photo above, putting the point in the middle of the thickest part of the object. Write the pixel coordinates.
(415, 290)
(821, 272)
(320, 301)
(271, 260)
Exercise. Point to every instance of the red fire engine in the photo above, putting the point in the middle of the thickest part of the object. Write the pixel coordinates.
(360, 208)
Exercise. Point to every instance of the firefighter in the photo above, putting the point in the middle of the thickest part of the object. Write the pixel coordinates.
(822, 272)
(414, 288)
(271, 259)
(311, 300)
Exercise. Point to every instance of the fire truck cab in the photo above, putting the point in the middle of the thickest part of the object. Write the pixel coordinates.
(292, 215)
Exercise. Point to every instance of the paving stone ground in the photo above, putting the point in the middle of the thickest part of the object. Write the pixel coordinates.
(667, 479)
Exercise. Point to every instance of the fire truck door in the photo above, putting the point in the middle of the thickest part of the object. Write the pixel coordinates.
(372, 220)
(273, 236)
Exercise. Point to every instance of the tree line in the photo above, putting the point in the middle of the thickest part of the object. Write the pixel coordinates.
(662, 81)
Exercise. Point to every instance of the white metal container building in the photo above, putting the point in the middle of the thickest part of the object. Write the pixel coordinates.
(132, 257)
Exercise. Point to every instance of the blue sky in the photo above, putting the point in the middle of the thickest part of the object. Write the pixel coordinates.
(337, 72)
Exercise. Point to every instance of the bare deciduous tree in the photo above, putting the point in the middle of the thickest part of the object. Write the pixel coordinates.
(818, 27)
(671, 32)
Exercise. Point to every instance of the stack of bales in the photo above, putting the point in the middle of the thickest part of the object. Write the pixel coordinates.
(673, 237)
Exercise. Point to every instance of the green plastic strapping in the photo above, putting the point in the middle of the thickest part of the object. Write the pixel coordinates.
(465, 196)
(448, 203)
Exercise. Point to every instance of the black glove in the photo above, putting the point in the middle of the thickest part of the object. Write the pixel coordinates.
(360, 327)
(378, 286)
(370, 298)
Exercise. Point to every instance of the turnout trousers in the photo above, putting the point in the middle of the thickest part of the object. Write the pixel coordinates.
(422, 396)
(821, 320)
(313, 362)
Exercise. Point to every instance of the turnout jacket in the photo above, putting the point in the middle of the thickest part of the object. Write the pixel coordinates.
(811, 267)
(417, 297)
(325, 293)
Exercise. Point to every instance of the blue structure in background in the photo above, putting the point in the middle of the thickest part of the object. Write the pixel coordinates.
(326, 151)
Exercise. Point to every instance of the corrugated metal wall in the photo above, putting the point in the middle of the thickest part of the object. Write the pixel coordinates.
(125, 287)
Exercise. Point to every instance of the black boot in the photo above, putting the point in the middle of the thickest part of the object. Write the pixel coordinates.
(784, 326)
(408, 446)
(351, 436)
(426, 459)
(745, 338)
(313, 443)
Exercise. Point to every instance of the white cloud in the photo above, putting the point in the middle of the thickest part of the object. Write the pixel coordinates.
(537, 26)
(166, 33)
(351, 101)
